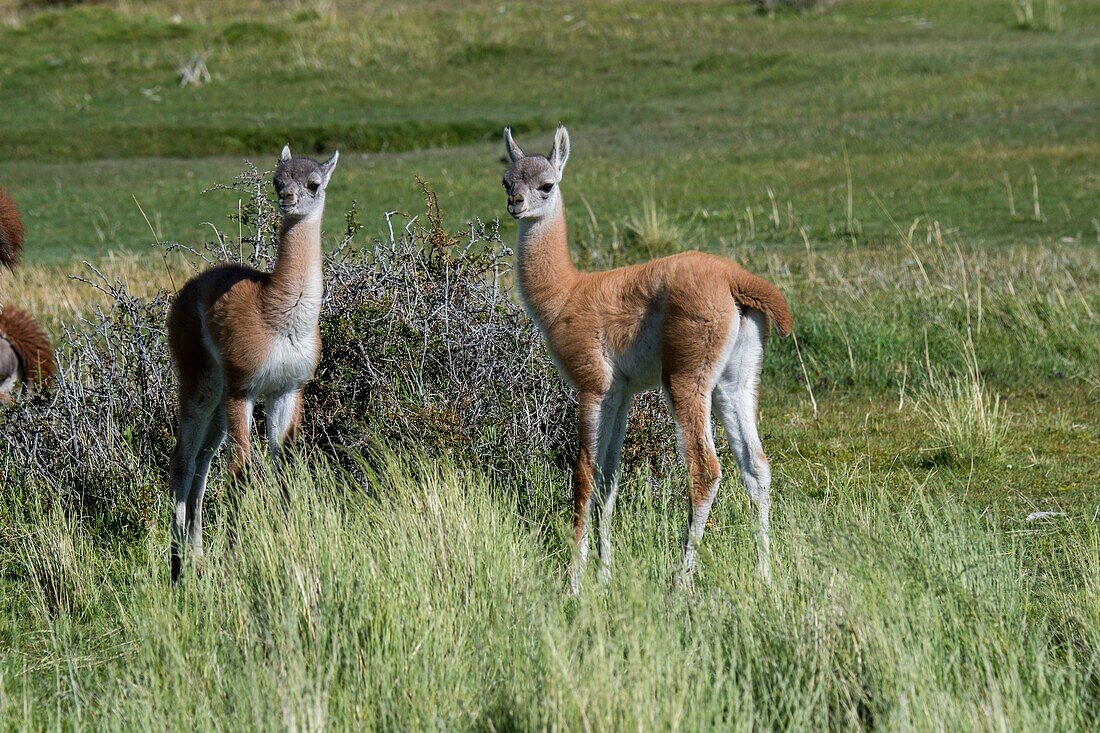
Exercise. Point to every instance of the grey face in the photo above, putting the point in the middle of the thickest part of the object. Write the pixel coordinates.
(530, 183)
(533, 181)
(300, 184)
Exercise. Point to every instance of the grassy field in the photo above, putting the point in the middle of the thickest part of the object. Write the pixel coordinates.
(919, 177)
(700, 105)
(429, 606)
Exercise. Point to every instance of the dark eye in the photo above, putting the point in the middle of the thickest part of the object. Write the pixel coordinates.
(313, 186)
(504, 183)
(279, 185)
(546, 187)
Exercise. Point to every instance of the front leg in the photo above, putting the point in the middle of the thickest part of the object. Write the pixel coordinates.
(612, 430)
(584, 481)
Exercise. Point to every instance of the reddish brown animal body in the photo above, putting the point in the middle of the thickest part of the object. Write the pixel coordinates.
(237, 335)
(25, 353)
(11, 231)
(693, 324)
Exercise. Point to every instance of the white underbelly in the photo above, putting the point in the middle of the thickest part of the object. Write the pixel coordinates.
(641, 378)
(289, 365)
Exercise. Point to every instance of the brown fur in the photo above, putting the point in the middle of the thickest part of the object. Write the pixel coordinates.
(584, 312)
(238, 335)
(11, 231)
(587, 315)
(242, 309)
(693, 322)
(30, 343)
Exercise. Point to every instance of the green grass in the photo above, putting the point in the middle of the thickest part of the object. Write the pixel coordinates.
(431, 602)
(706, 102)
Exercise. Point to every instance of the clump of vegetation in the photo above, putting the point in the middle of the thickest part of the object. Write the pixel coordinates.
(38, 4)
(654, 231)
(1049, 19)
(424, 347)
(893, 606)
(107, 418)
(968, 422)
(801, 6)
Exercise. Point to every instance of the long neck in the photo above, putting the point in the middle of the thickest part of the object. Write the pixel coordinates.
(546, 274)
(297, 273)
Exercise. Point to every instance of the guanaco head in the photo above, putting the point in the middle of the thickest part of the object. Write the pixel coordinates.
(532, 181)
(300, 183)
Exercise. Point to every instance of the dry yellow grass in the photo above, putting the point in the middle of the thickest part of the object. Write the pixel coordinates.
(55, 294)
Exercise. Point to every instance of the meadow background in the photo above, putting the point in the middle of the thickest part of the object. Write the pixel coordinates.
(919, 177)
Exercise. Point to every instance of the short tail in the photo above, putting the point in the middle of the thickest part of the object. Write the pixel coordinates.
(29, 342)
(11, 231)
(755, 292)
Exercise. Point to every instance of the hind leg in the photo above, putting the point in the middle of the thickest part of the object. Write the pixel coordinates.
(692, 414)
(197, 409)
(735, 401)
(238, 415)
(215, 435)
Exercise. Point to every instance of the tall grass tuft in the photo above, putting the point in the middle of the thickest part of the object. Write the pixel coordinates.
(967, 422)
(1027, 18)
(801, 6)
(654, 231)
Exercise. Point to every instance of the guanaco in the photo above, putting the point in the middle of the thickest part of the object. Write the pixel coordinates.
(693, 324)
(25, 352)
(237, 335)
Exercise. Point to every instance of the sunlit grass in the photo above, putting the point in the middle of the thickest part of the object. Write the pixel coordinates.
(423, 599)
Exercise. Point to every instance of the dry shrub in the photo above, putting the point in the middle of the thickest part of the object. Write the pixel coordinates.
(423, 344)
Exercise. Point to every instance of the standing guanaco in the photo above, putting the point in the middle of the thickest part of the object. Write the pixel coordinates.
(237, 335)
(693, 324)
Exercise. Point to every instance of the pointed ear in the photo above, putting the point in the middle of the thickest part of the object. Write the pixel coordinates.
(329, 166)
(514, 153)
(286, 154)
(560, 152)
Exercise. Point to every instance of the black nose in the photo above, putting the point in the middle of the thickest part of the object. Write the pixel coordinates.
(516, 200)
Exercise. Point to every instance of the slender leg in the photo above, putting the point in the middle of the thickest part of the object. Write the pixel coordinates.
(735, 400)
(215, 435)
(238, 413)
(692, 412)
(284, 411)
(291, 432)
(612, 430)
(283, 414)
(583, 484)
(194, 419)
